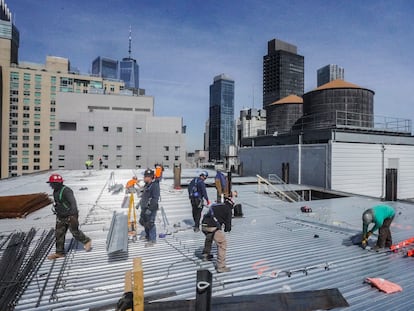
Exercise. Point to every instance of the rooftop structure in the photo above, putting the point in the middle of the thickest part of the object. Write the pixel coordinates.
(274, 248)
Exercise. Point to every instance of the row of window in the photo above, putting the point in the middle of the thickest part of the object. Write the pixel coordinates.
(105, 157)
(25, 145)
(24, 137)
(24, 168)
(25, 123)
(119, 147)
(24, 153)
(23, 160)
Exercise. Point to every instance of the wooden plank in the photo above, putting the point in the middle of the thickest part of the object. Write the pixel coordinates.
(138, 284)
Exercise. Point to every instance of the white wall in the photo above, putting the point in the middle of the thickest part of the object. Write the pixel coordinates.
(358, 168)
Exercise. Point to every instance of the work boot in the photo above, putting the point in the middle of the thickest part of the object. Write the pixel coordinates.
(196, 229)
(55, 256)
(223, 269)
(207, 257)
(150, 244)
(88, 246)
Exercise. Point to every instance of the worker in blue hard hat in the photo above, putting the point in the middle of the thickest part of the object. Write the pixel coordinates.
(197, 193)
(381, 216)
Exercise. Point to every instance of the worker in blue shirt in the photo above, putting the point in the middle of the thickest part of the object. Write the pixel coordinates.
(381, 216)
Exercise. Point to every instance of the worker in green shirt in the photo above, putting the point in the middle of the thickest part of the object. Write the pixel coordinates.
(381, 216)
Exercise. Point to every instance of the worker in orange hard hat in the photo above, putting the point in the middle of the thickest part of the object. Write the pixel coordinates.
(66, 211)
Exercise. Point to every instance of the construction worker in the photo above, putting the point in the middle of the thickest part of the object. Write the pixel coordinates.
(149, 207)
(197, 193)
(221, 184)
(381, 216)
(66, 211)
(219, 214)
(88, 164)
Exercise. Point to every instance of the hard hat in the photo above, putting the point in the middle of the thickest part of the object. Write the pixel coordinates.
(55, 178)
(149, 173)
(204, 173)
(367, 217)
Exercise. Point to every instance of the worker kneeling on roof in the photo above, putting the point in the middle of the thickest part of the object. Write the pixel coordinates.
(381, 216)
(212, 223)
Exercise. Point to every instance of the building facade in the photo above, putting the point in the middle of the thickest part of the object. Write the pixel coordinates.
(251, 123)
(221, 117)
(329, 73)
(105, 68)
(121, 130)
(283, 72)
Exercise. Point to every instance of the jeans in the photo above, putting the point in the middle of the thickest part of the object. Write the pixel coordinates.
(62, 226)
(148, 221)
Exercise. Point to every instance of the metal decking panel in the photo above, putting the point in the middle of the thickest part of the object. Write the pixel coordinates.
(272, 237)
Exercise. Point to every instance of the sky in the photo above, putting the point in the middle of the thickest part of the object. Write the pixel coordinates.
(181, 45)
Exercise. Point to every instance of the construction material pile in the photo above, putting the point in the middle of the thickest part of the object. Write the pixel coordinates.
(17, 206)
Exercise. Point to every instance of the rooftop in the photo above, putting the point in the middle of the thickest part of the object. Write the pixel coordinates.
(273, 238)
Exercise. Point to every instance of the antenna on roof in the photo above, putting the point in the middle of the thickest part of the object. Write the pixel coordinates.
(130, 39)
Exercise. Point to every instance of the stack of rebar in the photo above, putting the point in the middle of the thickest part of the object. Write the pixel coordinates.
(19, 263)
(16, 206)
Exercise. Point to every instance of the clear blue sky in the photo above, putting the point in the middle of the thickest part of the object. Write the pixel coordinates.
(181, 45)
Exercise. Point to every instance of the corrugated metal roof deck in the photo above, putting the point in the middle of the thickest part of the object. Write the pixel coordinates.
(271, 237)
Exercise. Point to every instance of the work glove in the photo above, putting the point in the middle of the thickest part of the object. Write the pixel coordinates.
(364, 243)
(148, 212)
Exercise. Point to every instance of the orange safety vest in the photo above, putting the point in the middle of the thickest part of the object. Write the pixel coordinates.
(158, 172)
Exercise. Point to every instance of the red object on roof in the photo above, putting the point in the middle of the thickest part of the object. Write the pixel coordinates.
(384, 285)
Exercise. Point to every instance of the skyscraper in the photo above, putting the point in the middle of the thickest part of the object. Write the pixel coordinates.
(129, 69)
(221, 129)
(283, 72)
(329, 73)
(105, 68)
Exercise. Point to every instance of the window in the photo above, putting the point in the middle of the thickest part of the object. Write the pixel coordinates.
(138, 157)
(118, 147)
(90, 147)
(25, 152)
(177, 158)
(53, 109)
(166, 158)
(26, 115)
(25, 160)
(90, 157)
(25, 167)
(91, 128)
(61, 147)
(25, 137)
(177, 148)
(36, 152)
(37, 130)
(119, 129)
(138, 147)
(36, 167)
(36, 123)
(36, 145)
(105, 147)
(105, 157)
(36, 160)
(25, 145)
(67, 126)
(25, 130)
(13, 152)
(138, 130)
(106, 129)
(36, 138)
(166, 148)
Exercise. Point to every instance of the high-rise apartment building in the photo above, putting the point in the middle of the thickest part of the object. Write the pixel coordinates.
(329, 73)
(28, 102)
(283, 72)
(221, 117)
(105, 68)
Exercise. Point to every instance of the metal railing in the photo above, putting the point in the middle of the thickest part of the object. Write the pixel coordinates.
(282, 190)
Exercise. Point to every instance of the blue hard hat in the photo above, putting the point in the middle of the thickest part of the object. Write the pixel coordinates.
(204, 173)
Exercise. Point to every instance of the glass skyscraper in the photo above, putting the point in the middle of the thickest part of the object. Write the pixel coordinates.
(129, 72)
(105, 68)
(221, 128)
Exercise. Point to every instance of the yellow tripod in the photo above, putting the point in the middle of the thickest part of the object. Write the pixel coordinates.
(132, 217)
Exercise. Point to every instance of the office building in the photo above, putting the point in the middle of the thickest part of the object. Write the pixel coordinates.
(251, 123)
(221, 117)
(121, 130)
(283, 72)
(105, 68)
(330, 73)
(129, 72)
